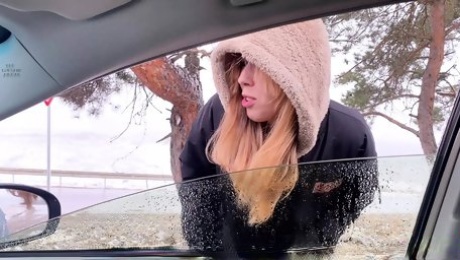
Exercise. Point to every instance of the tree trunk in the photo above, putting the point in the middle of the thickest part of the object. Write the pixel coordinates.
(180, 87)
(430, 78)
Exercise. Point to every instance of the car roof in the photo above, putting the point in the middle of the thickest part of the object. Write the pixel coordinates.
(58, 44)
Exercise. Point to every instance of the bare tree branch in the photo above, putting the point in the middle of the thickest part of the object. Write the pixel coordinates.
(452, 88)
(133, 103)
(444, 94)
(204, 53)
(455, 25)
(408, 96)
(372, 106)
(149, 99)
(392, 120)
(413, 106)
(164, 138)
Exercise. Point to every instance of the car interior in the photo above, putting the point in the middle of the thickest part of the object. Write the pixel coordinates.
(49, 46)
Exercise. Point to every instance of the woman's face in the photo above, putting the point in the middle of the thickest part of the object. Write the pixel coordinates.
(257, 98)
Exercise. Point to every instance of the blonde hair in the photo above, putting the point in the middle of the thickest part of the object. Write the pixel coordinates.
(240, 144)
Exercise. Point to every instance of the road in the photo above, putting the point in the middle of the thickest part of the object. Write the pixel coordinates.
(166, 200)
(77, 198)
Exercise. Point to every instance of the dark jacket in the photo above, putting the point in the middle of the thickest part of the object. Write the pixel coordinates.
(212, 220)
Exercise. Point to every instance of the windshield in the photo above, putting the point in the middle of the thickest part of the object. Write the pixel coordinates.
(155, 218)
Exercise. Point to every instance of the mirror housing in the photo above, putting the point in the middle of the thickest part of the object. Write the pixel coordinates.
(23, 207)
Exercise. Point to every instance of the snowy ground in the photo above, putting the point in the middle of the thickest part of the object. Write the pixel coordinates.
(374, 236)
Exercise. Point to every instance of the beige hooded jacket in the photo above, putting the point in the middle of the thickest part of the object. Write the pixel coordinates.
(298, 58)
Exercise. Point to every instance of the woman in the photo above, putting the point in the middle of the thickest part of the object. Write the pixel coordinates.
(29, 198)
(271, 118)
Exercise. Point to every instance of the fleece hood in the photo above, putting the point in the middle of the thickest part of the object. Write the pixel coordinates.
(298, 58)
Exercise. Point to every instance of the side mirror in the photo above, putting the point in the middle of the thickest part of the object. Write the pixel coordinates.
(25, 212)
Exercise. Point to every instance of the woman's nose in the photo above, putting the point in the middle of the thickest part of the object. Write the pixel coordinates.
(246, 78)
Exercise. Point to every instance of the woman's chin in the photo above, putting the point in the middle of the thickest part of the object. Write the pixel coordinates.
(256, 117)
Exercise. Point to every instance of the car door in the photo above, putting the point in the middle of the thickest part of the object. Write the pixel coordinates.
(435, 234)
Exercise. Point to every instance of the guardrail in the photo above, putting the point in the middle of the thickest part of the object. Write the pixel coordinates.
(85, 174)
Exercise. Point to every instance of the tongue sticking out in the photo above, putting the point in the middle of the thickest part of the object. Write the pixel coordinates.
(247, 102)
